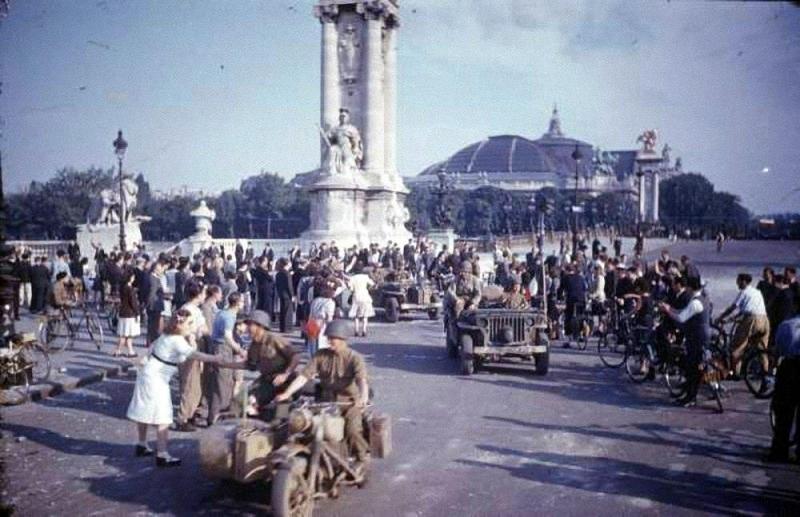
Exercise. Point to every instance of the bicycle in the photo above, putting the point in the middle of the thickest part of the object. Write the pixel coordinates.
(757, 378)
(58, 331)
(581, 325)
(110, 313)
(24, 362)
(614, 337)
(714, 369)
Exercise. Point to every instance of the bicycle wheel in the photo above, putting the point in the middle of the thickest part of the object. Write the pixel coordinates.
(716, 391)
(611, 350)
(55, 334)
(95, 330)
(675, 379)
(756, 378)
(637, 365)
(36, 355)
(112, 318)
(584, 330)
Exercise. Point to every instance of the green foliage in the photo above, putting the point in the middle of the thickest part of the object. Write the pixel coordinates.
(52, 210)
(689, 201)
(481, 211)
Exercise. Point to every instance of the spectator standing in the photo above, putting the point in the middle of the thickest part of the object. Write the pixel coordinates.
(128, 326)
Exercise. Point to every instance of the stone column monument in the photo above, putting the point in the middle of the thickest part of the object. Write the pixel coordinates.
(357, 196)
(649, 162)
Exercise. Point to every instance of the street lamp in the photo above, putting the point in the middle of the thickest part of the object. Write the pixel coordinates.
(507, 209)
(532, 214)
(640, 176)
(120, 145)
(577, 156)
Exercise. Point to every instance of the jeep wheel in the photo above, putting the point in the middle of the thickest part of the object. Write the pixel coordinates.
(542, 363)
(392, 310)
(467, 361)
(433, 314)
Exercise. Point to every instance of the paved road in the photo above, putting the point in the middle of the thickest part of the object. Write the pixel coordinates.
(503, 442)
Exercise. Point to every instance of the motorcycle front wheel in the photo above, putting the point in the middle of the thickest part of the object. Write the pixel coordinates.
(291, 496)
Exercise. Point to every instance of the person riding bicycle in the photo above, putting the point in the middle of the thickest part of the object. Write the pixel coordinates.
(573, 285)
(695, 321)
(754, 326)
(61, 296)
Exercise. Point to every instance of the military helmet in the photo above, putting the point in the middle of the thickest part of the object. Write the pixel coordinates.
(337, 329)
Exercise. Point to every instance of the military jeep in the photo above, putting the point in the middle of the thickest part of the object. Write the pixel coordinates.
(403, 296)
(494, 334)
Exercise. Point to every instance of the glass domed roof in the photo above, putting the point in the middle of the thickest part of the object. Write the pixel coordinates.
(497, 154)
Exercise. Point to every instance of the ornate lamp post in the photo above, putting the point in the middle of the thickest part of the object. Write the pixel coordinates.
(120, 145)
(508, 208)
(577, 156)
(532, 214)
(639, 212)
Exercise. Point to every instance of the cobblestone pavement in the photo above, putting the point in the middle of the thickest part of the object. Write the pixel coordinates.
(581, 440)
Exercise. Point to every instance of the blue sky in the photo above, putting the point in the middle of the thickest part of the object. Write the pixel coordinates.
(209, 93)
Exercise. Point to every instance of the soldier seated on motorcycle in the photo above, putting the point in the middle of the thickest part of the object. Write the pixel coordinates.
(342, 375)
(271, 356)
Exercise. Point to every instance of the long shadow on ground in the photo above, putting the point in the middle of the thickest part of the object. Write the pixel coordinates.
(689, 490)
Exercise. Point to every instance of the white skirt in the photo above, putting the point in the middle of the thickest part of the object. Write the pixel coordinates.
(129, 327)
(361, 309)
(152, 401)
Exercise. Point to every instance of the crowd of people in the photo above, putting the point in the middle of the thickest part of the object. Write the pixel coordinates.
(226, 308)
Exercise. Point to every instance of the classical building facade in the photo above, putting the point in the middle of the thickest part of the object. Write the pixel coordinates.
(517, 163)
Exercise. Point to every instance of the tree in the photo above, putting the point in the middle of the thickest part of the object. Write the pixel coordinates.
(689, 201)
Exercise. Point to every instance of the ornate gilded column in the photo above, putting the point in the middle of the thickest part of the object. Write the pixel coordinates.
(373, 88)
(329, 71)
(390, 97)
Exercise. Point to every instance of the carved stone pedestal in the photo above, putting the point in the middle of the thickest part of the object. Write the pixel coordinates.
(443, 237)
(107, 236)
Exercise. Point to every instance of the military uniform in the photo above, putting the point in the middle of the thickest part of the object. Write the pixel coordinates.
(339, 375)
(271, 357)
(468, 293)
(515, 301)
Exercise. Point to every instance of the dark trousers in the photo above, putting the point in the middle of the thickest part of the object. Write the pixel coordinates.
(285, 314)
(785, 404)
(694, 354)
(38, 297)
(15, 302)
(219, 388)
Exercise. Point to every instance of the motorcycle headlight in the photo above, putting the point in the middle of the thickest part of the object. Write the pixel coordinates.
(299, 421)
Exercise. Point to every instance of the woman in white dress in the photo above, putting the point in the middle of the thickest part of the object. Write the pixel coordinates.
(361, 309)
(151, 404)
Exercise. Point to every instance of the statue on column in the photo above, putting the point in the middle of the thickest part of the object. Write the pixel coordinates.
(665, 154)
(345, 148)
(648, 140)
(349, 47)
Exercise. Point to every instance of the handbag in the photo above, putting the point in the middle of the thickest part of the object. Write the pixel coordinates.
(312, 328)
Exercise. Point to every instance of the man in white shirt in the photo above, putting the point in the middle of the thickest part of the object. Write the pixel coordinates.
(190, 371)
(754, 327)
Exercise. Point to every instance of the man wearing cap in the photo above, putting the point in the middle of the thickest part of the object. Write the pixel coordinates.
(342, 375)
(270, 355)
